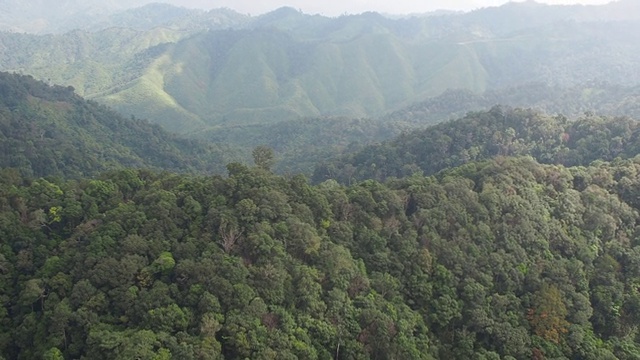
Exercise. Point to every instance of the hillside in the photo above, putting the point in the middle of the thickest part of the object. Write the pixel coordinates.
(602, 98)
(285, 65)
(51, 131)
(300, 145)
(498, 259)
(486, 134)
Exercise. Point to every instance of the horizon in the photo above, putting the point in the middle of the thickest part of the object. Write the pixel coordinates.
(337, 8)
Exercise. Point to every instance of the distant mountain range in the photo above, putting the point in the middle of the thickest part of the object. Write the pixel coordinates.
(40, 16)
(601, 98)
(43, 16)
(191, 70)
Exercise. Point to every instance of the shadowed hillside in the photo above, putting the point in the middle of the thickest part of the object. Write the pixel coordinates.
(51, 131)
(488, 134)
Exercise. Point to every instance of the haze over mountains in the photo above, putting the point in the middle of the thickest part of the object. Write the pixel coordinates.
(45, 17)
(190, 70)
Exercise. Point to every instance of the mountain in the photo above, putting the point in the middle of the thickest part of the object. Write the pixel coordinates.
(45, 17)
(41, 16)
(285, 65)
(485, 135)
(155, 15)
(47, 131)
(601, 98)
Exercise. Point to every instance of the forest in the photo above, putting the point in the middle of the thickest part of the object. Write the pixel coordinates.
(506, 234)
(50, 131)
(203, 184)
(498, 259)
(481, 135)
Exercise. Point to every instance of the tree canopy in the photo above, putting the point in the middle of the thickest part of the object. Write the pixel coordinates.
(505, 258)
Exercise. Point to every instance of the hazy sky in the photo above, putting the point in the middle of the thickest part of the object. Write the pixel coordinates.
(337, 7)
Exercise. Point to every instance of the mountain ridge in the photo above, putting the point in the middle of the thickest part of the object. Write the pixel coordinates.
(481, 135)
(197, 72)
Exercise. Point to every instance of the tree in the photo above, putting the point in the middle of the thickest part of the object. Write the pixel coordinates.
(53, 354)
(547, 317)
(263, 157)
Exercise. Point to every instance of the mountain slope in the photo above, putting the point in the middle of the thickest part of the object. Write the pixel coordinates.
(488, 134)
(497, 259)
(51, 131)
(261, 76)
(600, 98)
(285, 64)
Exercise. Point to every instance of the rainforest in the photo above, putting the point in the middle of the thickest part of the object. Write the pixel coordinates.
(182, 183)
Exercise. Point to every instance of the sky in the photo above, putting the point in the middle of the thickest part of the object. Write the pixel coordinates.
(338, 7)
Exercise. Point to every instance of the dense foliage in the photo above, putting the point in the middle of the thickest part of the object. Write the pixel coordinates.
(507, 234)
(51, 131)
(483, 135)
(506, 258)
(302, 144)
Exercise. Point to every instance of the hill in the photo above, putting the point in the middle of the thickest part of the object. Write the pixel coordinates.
(498, 259)
(601, 98)
(486, 134)
(48, 130)
(300, 145)
(156, 15)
